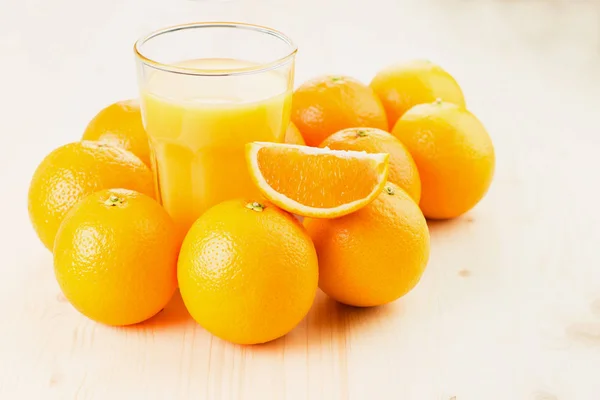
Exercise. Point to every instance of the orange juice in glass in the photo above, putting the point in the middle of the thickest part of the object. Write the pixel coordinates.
(206, 90)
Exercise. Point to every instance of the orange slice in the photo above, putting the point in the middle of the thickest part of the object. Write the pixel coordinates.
(315, 182)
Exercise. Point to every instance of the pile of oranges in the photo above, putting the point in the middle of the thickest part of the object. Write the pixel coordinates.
(362, 165)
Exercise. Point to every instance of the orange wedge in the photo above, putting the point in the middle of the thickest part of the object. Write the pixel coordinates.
(315, 182)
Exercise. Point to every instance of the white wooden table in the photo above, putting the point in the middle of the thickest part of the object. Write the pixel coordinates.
(509, 307)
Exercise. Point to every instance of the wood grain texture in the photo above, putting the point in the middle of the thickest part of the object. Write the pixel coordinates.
(509, 307)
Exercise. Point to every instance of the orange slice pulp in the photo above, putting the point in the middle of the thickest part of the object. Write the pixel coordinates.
(316, 182)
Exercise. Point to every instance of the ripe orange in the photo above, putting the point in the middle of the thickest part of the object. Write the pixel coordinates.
(404, 85)
(314, 182)
(120, 124)
(73, 171)
(247, 271)
(454, 155)
(375, 255)
(293, 135)
(402, 169)
(115, 257)
(327, 104)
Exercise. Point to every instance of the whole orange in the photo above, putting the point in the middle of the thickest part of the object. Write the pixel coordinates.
(404, 85)
(73, 171)
(120, 124)
(247, 271)
(293, 135)
(402, 169)
(375, 255)
(115, 257)
(454, 155)
(327, 104)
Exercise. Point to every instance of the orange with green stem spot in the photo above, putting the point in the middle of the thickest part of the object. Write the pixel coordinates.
(115, 257)
(374, 255)
(247, 271)
(327, 104)
(453, 153)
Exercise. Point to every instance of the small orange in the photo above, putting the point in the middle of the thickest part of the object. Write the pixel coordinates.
(120, 124)
(327, 104)
(293, 135)
(454, 155)
(115, 257)
(247, 271)
(404, 85)
(375, 255)
(73, 171)
(315, 182)
(402, 169)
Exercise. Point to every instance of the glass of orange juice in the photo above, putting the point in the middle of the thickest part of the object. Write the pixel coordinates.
(206, 90)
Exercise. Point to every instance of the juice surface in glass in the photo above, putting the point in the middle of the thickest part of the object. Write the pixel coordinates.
(198, 130)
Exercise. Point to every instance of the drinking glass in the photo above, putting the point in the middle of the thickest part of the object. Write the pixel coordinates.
(207, 89)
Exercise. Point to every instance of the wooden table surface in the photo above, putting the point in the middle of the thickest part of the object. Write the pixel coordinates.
(509, 307)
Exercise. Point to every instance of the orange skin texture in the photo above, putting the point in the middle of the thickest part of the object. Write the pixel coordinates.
(402, 168)
(327, 104)
(120, 124)
(375, 255)
(72, 172)
(404, 85)
(116, 262)
(247, 274)
(454, 154)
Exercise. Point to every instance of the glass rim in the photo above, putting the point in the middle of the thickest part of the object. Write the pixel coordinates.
(262, 67)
